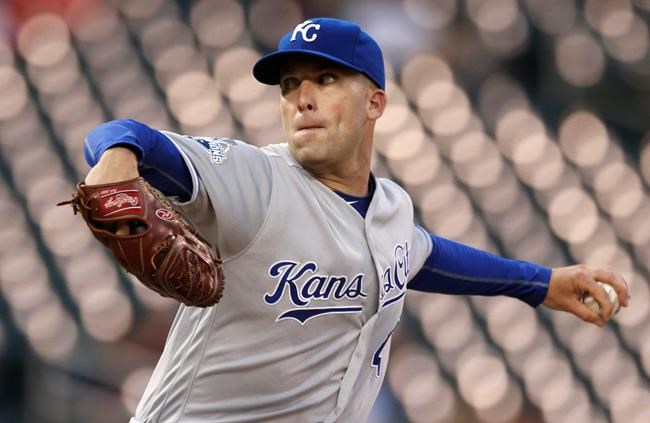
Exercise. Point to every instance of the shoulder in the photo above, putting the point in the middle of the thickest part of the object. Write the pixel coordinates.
(210, 144)
(217, 150)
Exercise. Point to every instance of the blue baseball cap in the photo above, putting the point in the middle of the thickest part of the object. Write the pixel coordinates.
(336, 40)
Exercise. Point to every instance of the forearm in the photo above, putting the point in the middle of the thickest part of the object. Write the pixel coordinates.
(157, 159)
(453, 268)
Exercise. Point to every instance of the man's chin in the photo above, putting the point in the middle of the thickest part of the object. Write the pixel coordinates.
(308, 154)
(306, 141)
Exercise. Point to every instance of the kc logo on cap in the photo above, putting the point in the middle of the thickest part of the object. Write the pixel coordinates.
(303, 29)
(341, 42)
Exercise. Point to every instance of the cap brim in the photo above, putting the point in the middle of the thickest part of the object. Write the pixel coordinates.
(267, 69)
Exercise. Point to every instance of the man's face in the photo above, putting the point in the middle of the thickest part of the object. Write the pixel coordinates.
(324, 112)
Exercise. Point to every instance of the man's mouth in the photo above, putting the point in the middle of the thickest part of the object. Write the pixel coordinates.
(309, 128)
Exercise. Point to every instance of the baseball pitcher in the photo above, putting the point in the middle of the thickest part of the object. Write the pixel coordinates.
(304, 256)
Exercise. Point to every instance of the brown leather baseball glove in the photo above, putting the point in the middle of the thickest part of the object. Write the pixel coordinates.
(163, 250)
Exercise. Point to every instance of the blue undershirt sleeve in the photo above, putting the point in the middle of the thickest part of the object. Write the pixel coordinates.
(454, 268)
(159, 160)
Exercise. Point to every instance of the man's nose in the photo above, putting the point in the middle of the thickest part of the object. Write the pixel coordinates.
(306, 96)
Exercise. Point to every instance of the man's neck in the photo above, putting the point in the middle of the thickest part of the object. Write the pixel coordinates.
(356, 186)
(350, 177)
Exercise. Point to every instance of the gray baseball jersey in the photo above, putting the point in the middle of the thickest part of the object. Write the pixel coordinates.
(313, 294)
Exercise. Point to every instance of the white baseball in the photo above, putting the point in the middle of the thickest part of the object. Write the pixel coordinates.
(591, 302)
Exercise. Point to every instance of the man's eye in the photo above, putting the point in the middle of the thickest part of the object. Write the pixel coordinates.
(288, 83)
(327, 78)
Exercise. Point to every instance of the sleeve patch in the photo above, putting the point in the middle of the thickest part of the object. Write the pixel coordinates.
(218, 148)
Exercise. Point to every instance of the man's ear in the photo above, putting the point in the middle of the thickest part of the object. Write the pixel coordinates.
(376, 103)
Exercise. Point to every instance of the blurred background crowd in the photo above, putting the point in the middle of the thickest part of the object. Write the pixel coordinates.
(520, 127)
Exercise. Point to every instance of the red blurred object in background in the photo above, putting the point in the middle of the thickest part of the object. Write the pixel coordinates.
(70, 10)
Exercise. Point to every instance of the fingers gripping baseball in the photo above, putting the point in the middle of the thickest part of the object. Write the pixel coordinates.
(569, 286)
(616, 281)
(566, 290)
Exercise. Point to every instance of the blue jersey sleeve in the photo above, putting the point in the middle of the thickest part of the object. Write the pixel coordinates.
(454, 268)
(159, 160)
